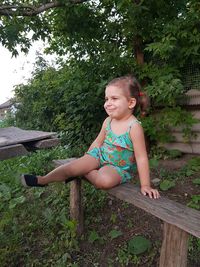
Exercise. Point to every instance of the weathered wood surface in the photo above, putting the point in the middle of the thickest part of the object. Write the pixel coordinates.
(189, 148)
(172, 212)
(14, 135)
(12, 151)
(46, 143)
(178, 137)
(59, 162)
(17, 142)
(169, 211)
(174, 248)
(195, 128)
(76, 207)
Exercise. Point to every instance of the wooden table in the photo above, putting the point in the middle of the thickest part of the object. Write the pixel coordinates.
(17, 142)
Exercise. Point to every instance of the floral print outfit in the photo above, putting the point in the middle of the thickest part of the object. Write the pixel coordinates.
(117, 151)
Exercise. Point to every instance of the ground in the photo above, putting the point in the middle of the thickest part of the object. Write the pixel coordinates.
(129, 221)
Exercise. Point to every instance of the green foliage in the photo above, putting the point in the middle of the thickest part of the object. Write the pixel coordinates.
(8, 121)
(138, 245)
(193, 164)
(124, 258)
(166, 185)
(63, 101)
(196, 181)
(93, 236)
(194, 202)
(131, 252)
(174, 153)
(158, 125)
(24, 214)
(115, 233)
(194, 249)
(100, 40)
(33, 219)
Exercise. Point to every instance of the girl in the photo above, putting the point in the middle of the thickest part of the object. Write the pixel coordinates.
(119, 147)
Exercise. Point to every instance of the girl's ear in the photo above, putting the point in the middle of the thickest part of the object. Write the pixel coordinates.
(132, 103)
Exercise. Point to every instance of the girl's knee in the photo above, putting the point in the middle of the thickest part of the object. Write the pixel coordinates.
(106, 182)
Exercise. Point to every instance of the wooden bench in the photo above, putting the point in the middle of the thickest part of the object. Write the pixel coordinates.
(179, 220)
(17, 142)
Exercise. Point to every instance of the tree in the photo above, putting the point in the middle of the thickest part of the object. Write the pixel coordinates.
(19, 18)
(154, 39)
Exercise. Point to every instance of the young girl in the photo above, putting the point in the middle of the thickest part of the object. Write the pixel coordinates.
(119, 147)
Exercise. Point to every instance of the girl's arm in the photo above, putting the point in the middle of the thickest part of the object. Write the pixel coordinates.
(101, 136)
(137, 137)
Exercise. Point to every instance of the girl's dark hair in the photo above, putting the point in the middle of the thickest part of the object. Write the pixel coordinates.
(130, 83)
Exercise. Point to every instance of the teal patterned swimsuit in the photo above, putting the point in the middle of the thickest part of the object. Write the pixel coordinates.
(117, 151)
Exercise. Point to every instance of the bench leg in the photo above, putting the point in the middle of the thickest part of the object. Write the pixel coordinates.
(76, 208)
(174, 247)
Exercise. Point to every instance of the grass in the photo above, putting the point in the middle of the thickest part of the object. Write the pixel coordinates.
(35, 229)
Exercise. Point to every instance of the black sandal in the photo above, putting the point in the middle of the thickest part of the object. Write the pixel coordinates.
(29, 180)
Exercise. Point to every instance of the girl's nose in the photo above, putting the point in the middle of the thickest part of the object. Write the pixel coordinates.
(108, 102)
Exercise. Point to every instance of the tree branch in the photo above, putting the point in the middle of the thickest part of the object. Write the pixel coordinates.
(30, 10)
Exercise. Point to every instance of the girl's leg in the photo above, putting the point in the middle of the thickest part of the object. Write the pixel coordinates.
(104, 178)
(78, 167)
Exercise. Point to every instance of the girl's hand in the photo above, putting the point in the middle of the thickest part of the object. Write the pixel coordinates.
(152, 193)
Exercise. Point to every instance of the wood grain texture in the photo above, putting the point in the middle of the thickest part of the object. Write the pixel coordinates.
(14, 135)
(174, 247)
(169, 211)
(8, 152)
(46, 143)
(76, 208)
(172, 212)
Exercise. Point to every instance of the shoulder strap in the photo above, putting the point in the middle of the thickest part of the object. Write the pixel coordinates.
(108, 123)
(133, 122)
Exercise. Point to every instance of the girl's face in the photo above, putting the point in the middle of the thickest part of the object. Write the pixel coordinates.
(118, 102)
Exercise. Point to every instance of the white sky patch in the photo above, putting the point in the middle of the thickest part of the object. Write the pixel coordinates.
(14, 71)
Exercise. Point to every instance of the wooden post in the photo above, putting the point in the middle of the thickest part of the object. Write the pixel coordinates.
(174, 247)
(76, 208)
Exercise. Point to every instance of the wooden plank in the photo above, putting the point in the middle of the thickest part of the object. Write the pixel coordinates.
(76, 208)
(178, 137)
(194, 128)
(174, 247)
(14, 135)
(196, 114)
(191, 148)
(12, 151)
(167, 210)
(46, 143)
(163, 208)
(59, 162)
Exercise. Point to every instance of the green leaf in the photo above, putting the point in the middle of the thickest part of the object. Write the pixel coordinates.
(167, 184)
(196, 181)
(5, 192)
(138, 245)
(14, 202)
(114, 234)
(93, 236)
(153, 163)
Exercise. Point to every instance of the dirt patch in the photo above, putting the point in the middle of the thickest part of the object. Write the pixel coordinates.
(131, 221)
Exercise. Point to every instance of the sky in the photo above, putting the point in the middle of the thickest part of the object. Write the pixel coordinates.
(16, 70)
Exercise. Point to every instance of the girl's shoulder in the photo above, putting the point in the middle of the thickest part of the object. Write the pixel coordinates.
(106, 122)
(136, 128)
(133, 121)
